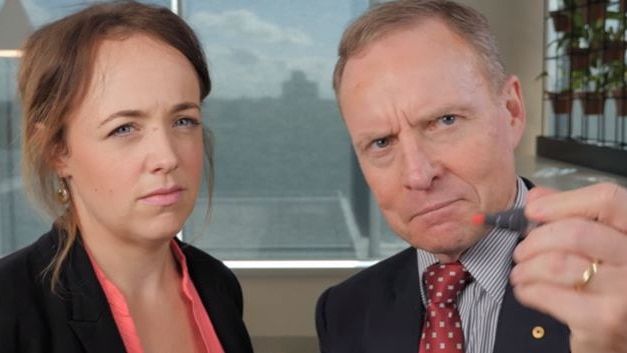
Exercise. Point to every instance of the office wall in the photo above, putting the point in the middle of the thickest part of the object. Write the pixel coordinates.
(279, 306)
(519, 29)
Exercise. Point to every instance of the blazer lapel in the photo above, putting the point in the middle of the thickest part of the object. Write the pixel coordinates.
(394, 323)
(223, 312)
(89, 315)
(522, 330)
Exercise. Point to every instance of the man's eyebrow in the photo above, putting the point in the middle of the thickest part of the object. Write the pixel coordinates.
(363, 140)
(135, 113)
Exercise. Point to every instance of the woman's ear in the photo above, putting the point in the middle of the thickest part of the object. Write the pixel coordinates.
(60, 161)
(58, 156)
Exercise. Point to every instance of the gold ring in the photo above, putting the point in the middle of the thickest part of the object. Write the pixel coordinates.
(587, 275)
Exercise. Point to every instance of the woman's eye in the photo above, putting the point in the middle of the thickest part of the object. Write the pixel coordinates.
(122, 130)
(447, 119)
(186, 122)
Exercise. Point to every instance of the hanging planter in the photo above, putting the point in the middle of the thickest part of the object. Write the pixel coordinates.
(579, 58)
(561, 102)
(596, 11)
(561, 21)
(613, 51)
(592, 103)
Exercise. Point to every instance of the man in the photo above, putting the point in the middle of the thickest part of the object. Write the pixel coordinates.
(434, 120)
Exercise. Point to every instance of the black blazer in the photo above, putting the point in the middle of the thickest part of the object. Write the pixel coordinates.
(33, 320)
(379, 310)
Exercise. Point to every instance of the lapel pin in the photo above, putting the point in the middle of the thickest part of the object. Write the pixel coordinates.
(537, 332)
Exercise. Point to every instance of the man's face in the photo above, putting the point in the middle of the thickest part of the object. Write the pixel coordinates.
(434, 139)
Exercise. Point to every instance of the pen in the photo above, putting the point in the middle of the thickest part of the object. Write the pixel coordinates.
(512, 219)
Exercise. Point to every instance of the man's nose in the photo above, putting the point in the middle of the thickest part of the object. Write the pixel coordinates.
(419, 166)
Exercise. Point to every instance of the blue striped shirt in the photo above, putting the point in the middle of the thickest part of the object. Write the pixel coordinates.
(489, 263)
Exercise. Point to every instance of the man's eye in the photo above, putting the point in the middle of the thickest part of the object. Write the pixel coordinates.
(381, 143)
(447, 119)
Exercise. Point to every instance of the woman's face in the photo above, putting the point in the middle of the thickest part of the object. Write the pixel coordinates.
(135, 143)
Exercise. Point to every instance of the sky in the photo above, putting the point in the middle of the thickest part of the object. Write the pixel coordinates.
(252, 45)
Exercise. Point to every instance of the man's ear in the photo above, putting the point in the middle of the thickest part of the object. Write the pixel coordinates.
(515, 107)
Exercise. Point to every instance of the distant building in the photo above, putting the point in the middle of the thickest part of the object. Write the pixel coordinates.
(298, 87)
(293, 145)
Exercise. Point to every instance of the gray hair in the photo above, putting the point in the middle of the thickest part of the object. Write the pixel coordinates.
(392, 16)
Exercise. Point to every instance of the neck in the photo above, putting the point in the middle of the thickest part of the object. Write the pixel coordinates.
(136, 269)
(446, 258)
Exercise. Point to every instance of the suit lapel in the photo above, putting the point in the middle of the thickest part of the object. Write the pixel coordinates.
(89, 315)
(394, 323)
(516, 326)
(220, 305)
(98, 336)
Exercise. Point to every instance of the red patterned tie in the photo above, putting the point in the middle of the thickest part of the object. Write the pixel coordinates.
(442, 327)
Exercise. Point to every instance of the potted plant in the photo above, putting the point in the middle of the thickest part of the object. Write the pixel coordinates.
(560, 96)
(617, 86)
(561, 20)
(608, 42)
(595, 11)
(574, 41)
(561, 101)
(590, 86)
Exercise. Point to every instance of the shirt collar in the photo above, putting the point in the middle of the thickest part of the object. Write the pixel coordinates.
(489, 260)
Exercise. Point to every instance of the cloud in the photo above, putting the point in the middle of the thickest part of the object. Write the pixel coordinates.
(246, 24)
(240, 72)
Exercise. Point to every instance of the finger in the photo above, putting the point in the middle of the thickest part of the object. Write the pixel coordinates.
(592, 240)
(538, 192)
(604, 202)
(557, 268)
(571, 275)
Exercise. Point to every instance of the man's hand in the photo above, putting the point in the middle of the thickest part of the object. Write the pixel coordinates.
(577, 228)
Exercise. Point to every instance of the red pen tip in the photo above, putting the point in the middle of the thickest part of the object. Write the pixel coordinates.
(478, 219)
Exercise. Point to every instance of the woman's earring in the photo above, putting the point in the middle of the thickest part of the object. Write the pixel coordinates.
(63, 194)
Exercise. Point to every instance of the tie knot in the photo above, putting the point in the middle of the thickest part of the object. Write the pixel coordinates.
(445, 281)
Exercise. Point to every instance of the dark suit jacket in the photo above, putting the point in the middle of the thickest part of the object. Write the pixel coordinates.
(34, 320)
(379, 310)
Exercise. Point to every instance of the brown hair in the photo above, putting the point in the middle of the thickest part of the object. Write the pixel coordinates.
(55, 70)
(392, 16)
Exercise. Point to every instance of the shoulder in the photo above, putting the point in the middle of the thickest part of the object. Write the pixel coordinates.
(343, 311)
(23, 288)
(199, 259)
(207, 270)
(378, 275)
(370, 285)
(27, 264)
(212, 278)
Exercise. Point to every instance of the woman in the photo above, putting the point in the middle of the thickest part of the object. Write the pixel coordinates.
(113, 148)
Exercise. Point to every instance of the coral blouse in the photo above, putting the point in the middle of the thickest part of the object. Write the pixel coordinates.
(124, 321)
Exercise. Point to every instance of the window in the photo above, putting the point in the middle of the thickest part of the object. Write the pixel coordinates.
(287, 183)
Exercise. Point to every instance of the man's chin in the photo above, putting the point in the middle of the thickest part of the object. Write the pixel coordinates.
(447, 239)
